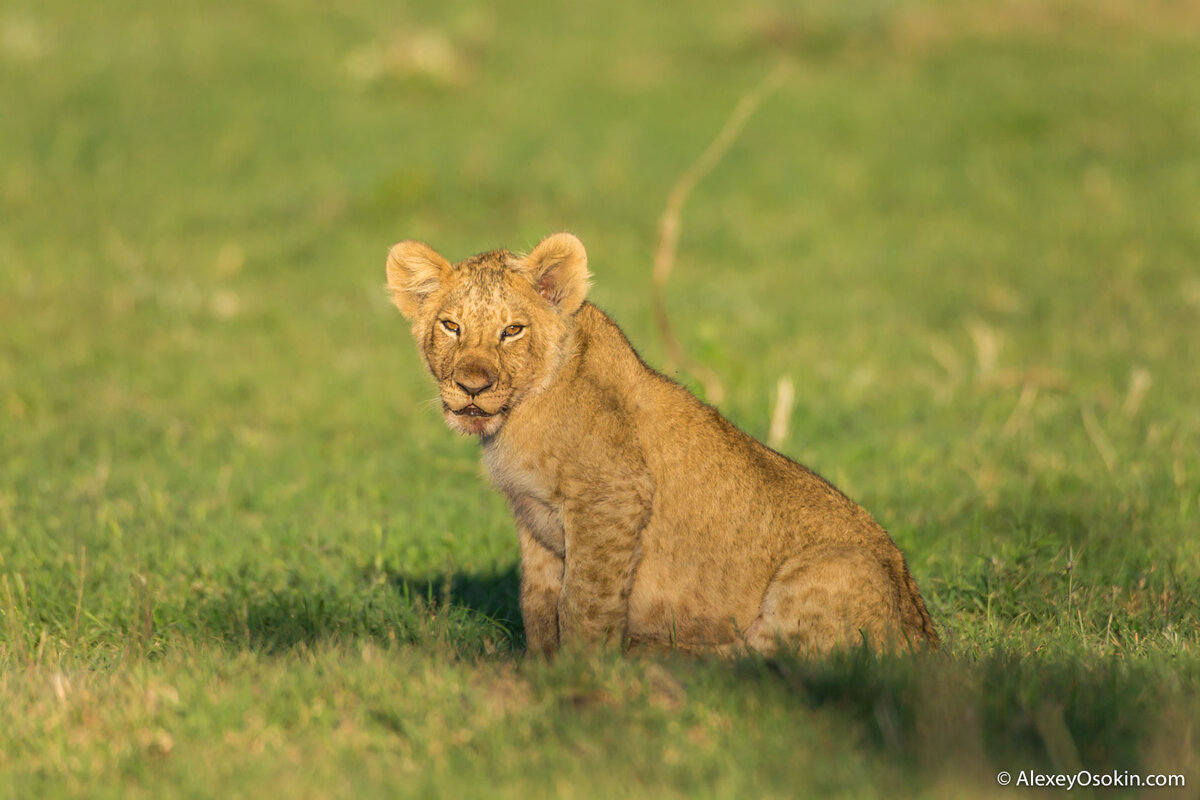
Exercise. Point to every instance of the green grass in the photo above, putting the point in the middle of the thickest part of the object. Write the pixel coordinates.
(240, 554)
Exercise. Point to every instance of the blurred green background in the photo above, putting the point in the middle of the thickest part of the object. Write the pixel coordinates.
(240, 552)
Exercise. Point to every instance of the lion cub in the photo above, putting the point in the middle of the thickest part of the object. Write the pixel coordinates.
(644, 516)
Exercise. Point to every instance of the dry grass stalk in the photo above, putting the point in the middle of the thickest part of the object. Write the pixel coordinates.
(1100, 440)
(668, 224)
(781, 415)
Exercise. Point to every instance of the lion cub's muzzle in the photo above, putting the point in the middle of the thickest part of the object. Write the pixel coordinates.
(472, 400)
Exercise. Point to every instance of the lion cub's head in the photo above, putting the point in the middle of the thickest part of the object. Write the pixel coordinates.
(491, 329)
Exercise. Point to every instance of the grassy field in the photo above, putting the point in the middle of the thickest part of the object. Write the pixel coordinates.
(241, 556)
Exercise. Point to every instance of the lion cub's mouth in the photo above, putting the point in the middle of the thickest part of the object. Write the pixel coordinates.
(471, 419)
(472, 410)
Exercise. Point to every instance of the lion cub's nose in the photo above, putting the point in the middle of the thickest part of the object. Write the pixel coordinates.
(474, 381)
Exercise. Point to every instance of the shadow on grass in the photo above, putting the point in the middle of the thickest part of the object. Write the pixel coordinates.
(495, 595)
(981, 714)
(992, 713)
(466, 613)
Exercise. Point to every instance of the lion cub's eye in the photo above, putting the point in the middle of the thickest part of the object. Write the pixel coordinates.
(451, 327)
(511, 330)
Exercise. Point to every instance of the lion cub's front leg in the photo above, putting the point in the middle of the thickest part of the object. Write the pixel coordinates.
(602, 529)
(541, 585)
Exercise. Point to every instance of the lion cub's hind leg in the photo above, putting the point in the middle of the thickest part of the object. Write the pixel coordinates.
(827, 597)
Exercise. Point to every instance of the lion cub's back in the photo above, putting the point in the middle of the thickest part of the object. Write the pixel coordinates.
(726, 509)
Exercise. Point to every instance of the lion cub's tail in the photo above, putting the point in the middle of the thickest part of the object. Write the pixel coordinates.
(916, 616)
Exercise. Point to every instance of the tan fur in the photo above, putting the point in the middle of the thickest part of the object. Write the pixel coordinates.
(644, 517)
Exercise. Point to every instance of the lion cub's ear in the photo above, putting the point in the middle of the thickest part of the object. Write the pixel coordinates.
(414, 271)
(558, 268)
